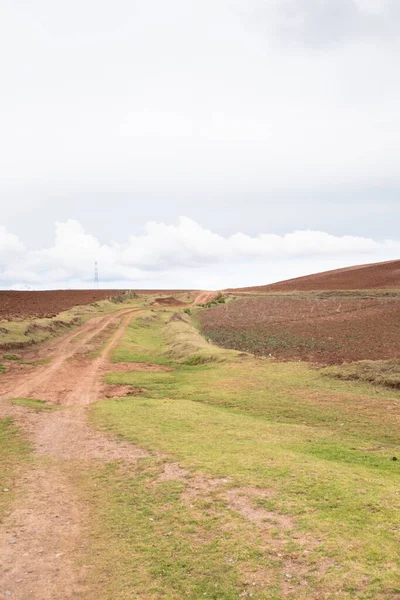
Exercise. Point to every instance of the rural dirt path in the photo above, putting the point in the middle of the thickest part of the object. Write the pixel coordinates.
(41, 540)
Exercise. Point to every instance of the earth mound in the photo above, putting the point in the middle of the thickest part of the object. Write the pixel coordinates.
(168, 301)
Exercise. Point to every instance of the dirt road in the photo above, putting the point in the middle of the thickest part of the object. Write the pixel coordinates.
(40, 541)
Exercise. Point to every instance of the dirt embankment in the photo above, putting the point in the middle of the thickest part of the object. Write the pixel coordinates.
(385, 275)
(168, 301)
(204, 297)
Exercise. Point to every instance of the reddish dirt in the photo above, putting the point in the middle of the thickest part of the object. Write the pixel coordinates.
(326, 329)
(385, 275)
(168, 301)
(22, 305)
(204, 297)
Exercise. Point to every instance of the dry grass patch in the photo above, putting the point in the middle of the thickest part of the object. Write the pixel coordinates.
(379, 372)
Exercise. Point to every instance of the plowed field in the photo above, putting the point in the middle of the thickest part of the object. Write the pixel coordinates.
(328, 330)
(385, 275)
(24, 305)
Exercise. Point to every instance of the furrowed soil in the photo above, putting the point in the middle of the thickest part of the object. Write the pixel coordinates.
(385, 275)
(24, 305)
(323, 328)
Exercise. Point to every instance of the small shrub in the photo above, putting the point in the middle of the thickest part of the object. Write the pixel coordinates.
(124, 297)
(11, 357)
(187, 311)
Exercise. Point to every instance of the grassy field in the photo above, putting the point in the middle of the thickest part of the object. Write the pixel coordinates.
(286, 485)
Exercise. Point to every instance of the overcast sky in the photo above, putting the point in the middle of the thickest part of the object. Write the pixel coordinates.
(196, 143)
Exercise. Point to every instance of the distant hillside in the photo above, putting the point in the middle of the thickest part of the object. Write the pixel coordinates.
(384, 275)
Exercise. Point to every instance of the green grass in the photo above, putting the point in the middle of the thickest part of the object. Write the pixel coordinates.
(34, 404)
(2, 368)
(14, 451)
(284, 392)
(322, 447)
(11, 357)
(36, 363)
(167, 549)
(166, 337)
(142, 341)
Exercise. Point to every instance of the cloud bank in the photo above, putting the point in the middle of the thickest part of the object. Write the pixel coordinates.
(162, 254)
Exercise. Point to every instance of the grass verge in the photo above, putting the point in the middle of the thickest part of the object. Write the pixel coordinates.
(166, 337)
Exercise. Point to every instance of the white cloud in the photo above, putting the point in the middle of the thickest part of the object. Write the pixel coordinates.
(10, 247)
(163, 255)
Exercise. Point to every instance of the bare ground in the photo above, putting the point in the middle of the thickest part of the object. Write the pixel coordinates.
(40, 541)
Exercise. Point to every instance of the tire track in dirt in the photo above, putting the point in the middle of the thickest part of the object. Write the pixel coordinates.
(63, 351)
(41, 540)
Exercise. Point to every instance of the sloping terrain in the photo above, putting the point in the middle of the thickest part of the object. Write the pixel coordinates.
(384, 275)
(327, 328)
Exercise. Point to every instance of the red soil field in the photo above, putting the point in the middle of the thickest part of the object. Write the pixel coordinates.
(24, 305)
(326, 328)
(385, 275)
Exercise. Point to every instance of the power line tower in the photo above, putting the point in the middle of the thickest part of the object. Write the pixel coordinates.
(96, 275)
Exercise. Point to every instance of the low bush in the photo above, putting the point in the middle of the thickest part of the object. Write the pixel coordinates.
(379, 372)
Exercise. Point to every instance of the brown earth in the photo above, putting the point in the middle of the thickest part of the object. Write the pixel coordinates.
(204, 297)
(22, 305)
(326, 329)
(168, 301)
(40, 304)
(384, 275)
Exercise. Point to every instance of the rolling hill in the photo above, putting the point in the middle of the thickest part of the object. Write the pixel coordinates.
(384, 275)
